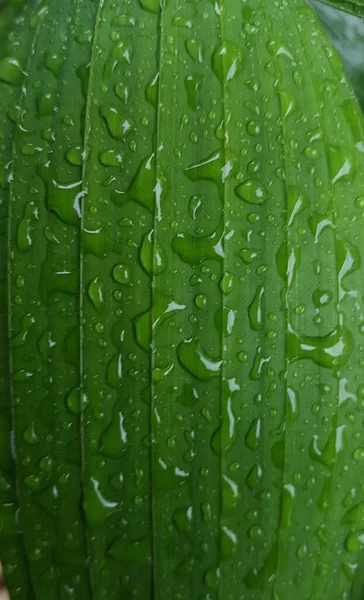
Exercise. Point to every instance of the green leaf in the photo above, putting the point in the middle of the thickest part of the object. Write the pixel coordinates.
(184, 273)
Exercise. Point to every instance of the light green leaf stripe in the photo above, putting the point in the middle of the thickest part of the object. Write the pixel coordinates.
(186, 344)
(117, 220)
(44, 237)
(12, 33)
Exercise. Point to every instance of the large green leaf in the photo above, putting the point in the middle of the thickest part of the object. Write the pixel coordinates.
(186, 310)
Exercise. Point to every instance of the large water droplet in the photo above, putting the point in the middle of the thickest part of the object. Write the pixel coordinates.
(96, 292)
(227, 61)
(193, 249)
(252, 192)
(97, 507)
(342, 164)
(153, 6)
(11, 71)
(119, 127)
(255, 311)
(152, 256)
(254, 476)
(197, 362)
(182, 519)
(195, 50)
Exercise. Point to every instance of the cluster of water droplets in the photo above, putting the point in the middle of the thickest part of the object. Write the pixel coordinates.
(184, 282)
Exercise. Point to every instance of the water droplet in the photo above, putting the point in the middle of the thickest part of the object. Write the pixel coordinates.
(46, 104)
(242, 357)
(53, 62)
(359, 202)
(164, 307)
(291, 405)
(63, 199)
(111, 158)
(114, 439)
(209, 169)
(182, 519)
(11, 71)
(259, 362)
(253, 436)
(30, 149)
(288, 501)
(342, 164)
(21, 375)
(195, 50)
(302, 550)
(25, 227)
(330, 351)
(254, 476)
(142, 188)
(33, 482)
(121, 274)
(20, 338)
(114, 371)
(122, 90)
(96, 292)
(121, 53)
(76, 402)
(355, 542)
(153, 6)
(74, 156)
(227, 61)
(288, 260)
(193, 85)
(355, 515)
(296, 203)
(212, 577)
(350, 570)
(333, 446)
(124, 21)
(201, 301)
(227, 283)
(230, 493)
(119, 127)
(252, 192)
(97, 507)
(248, 255)
(255, 311)
(261, 578)
(152, 256)
(253, 128)
(193, 250)
(197, 362)
(30, 434)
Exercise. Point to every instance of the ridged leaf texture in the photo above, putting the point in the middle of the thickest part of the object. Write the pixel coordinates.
(182, 204)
